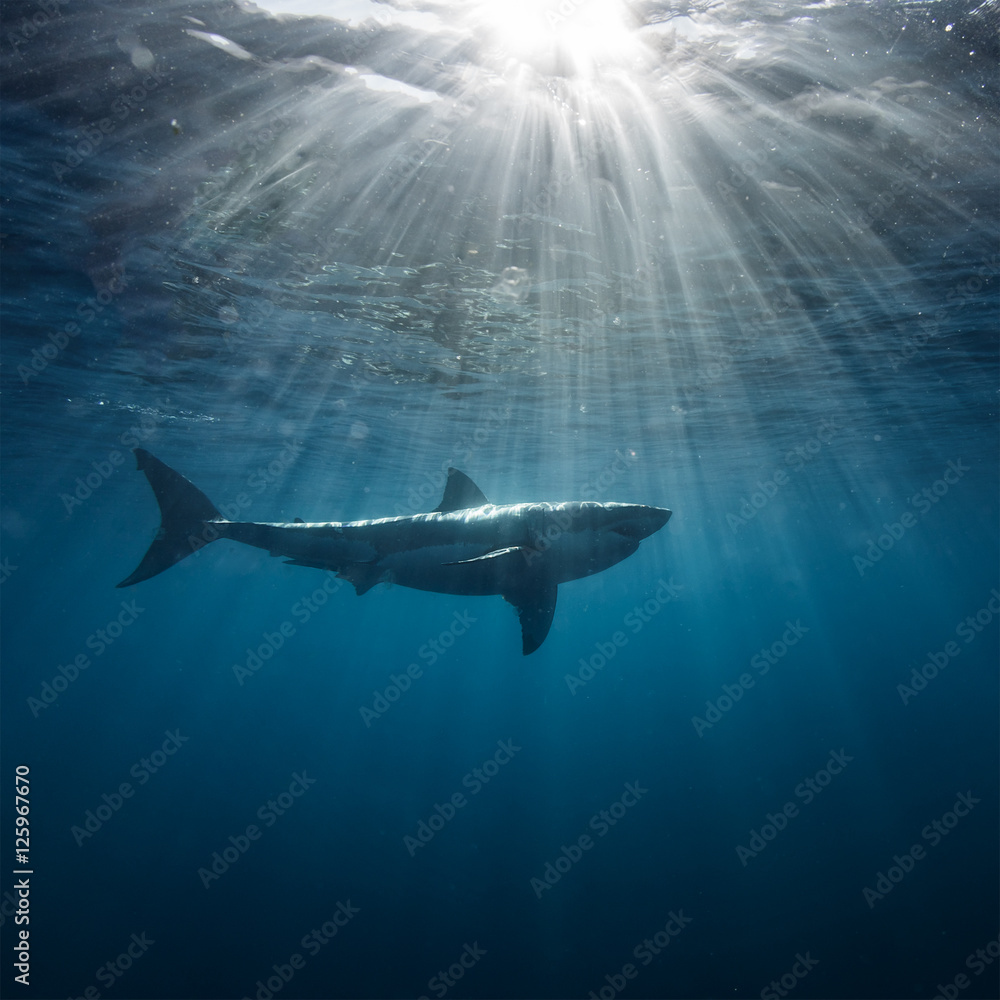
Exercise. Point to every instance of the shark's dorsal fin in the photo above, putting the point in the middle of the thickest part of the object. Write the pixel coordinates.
(460, 493)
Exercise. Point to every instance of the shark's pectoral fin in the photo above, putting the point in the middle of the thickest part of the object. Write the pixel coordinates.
(534, 598)
(536, 604)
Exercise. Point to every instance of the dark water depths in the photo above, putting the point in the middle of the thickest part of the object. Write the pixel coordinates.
(736, 260)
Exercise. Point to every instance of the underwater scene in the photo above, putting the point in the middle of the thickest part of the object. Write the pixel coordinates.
(499, 499)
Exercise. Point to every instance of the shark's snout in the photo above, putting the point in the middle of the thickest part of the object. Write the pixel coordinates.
(641, 522)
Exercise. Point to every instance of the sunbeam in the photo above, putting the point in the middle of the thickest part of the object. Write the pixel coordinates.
(575, 37)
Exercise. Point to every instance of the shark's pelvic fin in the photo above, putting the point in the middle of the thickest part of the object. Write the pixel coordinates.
(184, 509)
(460, 493)
(364, 576)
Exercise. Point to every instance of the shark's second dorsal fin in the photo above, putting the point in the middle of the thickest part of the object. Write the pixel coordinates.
(460, 493)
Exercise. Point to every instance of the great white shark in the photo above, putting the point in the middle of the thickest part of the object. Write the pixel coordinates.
(465, 546)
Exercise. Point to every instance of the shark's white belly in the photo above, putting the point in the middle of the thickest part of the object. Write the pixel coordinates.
(424, 560)
(457, 568)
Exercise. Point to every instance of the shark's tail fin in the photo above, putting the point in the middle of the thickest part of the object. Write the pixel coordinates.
(184, 509)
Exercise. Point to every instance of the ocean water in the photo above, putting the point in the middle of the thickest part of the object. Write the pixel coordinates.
(738, 260)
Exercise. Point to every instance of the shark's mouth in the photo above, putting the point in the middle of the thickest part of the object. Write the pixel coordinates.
(642, 525)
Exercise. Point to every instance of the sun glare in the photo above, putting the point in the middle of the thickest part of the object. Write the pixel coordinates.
(568, 35)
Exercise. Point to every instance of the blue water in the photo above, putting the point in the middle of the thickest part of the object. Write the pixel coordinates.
(744, 266)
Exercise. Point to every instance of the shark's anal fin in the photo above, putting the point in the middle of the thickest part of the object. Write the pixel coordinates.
(460, 493)
(536, 604)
